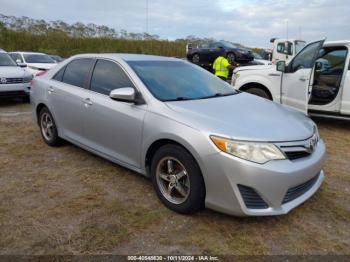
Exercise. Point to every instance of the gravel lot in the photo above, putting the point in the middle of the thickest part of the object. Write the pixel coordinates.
(68, 201)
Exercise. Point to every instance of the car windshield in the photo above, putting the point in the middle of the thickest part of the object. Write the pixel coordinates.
(177, 80)
(257, 56)
(6, 60)
(299, 45)
(228, 44)
(38, 58)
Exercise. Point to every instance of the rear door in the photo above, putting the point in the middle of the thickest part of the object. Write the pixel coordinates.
(296, 81)
(66, 93)
(113, 128)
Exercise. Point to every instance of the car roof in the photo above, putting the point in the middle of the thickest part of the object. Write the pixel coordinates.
(29, 53)
(2, 51)
(338, 42)
(130, 57)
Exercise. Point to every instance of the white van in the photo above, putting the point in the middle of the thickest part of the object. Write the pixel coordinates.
(315, 81)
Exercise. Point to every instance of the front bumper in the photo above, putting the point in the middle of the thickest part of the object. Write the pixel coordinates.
(224, 173)
(14, 90)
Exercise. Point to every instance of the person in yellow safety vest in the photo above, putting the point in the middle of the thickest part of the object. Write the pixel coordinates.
(221, 66)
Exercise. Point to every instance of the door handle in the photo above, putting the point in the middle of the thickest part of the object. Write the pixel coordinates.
(303, 78)
(87, 102)
(273, 74)
(51, 90)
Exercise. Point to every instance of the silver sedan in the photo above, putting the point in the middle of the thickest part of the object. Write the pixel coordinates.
(201, 142)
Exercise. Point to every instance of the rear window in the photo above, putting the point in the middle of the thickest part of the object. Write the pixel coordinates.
(77, 71)
(38, 59)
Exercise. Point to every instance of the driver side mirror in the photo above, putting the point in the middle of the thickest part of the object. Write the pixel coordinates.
(126, 94)
(20, 64)
(281, 66)
(318, 66)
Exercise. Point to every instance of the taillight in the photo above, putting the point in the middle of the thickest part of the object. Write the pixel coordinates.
(41, 73)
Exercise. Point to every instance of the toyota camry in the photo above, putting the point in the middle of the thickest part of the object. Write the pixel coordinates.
(201, 142)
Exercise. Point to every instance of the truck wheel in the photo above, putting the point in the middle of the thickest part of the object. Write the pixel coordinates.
(195, 58)
(231, 58)
(258, 92)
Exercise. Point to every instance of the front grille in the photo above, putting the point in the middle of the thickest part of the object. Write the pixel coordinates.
(251, 198)
(297, 191)
(12, 81)
(292, 155)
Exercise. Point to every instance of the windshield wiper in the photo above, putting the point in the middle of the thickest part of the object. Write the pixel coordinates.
(218, 95)
(180, 98)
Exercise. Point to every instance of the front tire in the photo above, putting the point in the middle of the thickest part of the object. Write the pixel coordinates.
(177, 179)
(48, 128)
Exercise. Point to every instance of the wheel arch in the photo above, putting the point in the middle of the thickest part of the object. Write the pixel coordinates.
(39, 107)
(152, 149)
(247, 86)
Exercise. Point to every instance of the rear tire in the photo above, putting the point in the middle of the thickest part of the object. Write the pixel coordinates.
(231, 58)
(177, 179)
(258, 92)
(48, 128)
(195, 59)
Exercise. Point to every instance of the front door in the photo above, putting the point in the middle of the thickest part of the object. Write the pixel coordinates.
(296, 81)
(112, 128)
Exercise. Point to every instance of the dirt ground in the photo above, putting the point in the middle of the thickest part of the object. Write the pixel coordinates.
(68, 201)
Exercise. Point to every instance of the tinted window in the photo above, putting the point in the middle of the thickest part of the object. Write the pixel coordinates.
(108, 76)
(77, 71)
(306, 57)
(6, 60)
(38, 58)
(16, 57)
(177, 80)
(59, 75)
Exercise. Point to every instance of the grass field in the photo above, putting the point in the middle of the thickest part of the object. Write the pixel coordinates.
(68, 201)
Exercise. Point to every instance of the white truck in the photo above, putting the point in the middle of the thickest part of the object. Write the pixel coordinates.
(285, 49)
(315, 81)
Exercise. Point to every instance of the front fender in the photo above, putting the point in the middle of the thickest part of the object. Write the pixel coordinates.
(158, 127)
(273, 85)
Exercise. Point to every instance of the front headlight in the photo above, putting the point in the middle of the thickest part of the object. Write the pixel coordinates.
(252, 151)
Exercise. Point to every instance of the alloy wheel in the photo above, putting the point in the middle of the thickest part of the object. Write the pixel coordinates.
(173, 180)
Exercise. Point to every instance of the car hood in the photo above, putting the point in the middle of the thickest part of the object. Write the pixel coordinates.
(243, 117)
(12, 72)
(256, 67)
(45, 66)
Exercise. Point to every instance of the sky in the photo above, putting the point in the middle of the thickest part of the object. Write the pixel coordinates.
(249, 22)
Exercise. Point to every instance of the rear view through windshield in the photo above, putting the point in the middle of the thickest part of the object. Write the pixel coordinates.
(38, 58)
(177, 80)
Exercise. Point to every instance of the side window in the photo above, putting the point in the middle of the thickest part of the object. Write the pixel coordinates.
(16, 57)
(306, 57)
(77, 71)
(59, 75)
(280, 47)
(108, 76)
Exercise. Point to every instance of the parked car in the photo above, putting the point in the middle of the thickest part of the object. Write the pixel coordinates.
(259, 60)
(14, 80)
(57, 58)
(200, 141)
(205, 56)
(36, 62)
(315, 81)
